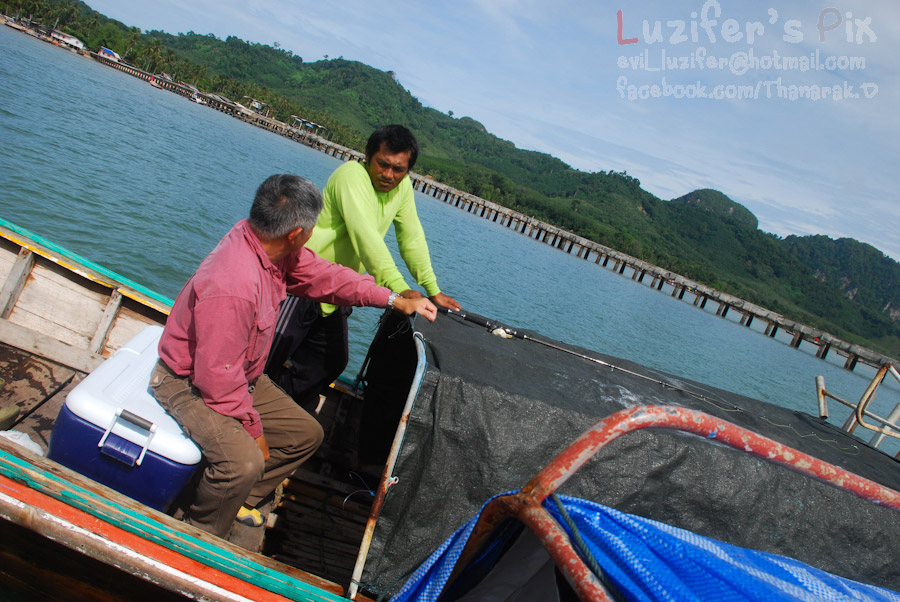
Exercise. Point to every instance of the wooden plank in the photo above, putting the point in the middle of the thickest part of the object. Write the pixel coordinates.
(45, 346)
(36, 323)
(314, 520)
(299, 525)
(318, 560)
(331, 513)
(324, 564)
(305, 474)
(132, 319)
(359, 504)
(313, 562)
(320, 554)
(323, 527)
(318, 528)
(299, 512)
(8, 253)
(318, 539)
(106, 322)
(15, 282)
(69, 311)
(38, 424)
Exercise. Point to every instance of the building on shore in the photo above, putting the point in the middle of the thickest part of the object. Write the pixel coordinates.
(67, 40)
(110, 54)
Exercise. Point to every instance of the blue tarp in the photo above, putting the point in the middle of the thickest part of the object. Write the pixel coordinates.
(648, 560)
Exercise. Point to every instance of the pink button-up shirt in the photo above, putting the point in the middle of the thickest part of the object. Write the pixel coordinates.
(219, 330)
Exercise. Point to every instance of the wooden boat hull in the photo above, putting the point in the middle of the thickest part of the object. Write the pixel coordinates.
(60, 317)
(80, 514)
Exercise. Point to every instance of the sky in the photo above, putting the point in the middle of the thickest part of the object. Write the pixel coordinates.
(788, 107)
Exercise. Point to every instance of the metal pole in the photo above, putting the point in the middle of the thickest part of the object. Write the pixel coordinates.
(820, 393)
(892, 418)
(386, 479)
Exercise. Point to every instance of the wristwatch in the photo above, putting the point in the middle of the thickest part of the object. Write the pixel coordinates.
(391, 300)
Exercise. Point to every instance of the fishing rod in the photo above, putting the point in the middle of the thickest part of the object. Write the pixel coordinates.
(505, 331)
(500, 329)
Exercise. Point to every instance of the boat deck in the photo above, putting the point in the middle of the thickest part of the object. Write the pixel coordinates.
(33, 391)
(317, 520)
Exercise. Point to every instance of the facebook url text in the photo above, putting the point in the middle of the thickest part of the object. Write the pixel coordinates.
(775, 89)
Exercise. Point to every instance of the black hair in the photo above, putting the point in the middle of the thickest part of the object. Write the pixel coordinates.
(398, 139)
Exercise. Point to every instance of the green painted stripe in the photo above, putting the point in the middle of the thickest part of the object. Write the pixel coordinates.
(204, 552)
(87, 263)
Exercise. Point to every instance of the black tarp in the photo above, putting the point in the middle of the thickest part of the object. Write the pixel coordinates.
(491, 412)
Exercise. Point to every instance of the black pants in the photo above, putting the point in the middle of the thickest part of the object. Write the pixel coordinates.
(308, 351)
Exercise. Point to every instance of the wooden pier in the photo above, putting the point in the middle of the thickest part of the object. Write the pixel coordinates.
(563, 240)
(651, 275)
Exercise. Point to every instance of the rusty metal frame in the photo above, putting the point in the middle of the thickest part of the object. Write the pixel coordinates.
(869, 395)
(860, 408)
(526, 506)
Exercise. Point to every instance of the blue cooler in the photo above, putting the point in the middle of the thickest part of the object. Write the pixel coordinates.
(113, 430)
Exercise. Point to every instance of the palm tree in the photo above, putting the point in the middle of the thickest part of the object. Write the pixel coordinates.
(132, 45)
(92, 23)
(151, 55)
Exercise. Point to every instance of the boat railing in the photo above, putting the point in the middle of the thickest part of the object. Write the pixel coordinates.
(885, 427)
(527, 505)
(387, 479)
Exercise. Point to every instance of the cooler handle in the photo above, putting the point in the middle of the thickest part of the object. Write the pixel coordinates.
(135, 420)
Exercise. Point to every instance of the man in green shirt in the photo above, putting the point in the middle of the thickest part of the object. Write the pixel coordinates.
(361, 201)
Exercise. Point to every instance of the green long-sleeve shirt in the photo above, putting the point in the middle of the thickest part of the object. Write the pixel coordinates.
(354, 221)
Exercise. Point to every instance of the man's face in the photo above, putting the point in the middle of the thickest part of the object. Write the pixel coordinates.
(387, 168)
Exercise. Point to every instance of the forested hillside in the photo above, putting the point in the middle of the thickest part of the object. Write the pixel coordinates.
(842, 286)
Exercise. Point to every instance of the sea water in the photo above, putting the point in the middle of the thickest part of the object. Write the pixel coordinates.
(145, 182)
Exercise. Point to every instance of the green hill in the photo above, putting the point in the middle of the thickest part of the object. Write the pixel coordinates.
(717, 203)
(842, 286)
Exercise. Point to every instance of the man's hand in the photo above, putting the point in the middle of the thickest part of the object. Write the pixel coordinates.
(263, 446)
(421, 306)
(446, 301)
(411, 294)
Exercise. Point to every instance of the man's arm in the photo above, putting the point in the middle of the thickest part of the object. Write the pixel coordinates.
(321, 280)
(310, 276)
(414, 250)
(412, 243)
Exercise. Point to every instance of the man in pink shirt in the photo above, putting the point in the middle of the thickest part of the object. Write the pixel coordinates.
(215, 342)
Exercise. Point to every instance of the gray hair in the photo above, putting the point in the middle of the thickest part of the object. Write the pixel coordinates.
(284, 203)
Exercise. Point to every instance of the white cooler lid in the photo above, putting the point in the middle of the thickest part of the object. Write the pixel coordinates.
(121, 383)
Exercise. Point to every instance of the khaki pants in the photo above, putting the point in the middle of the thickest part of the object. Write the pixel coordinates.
(236, 473)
